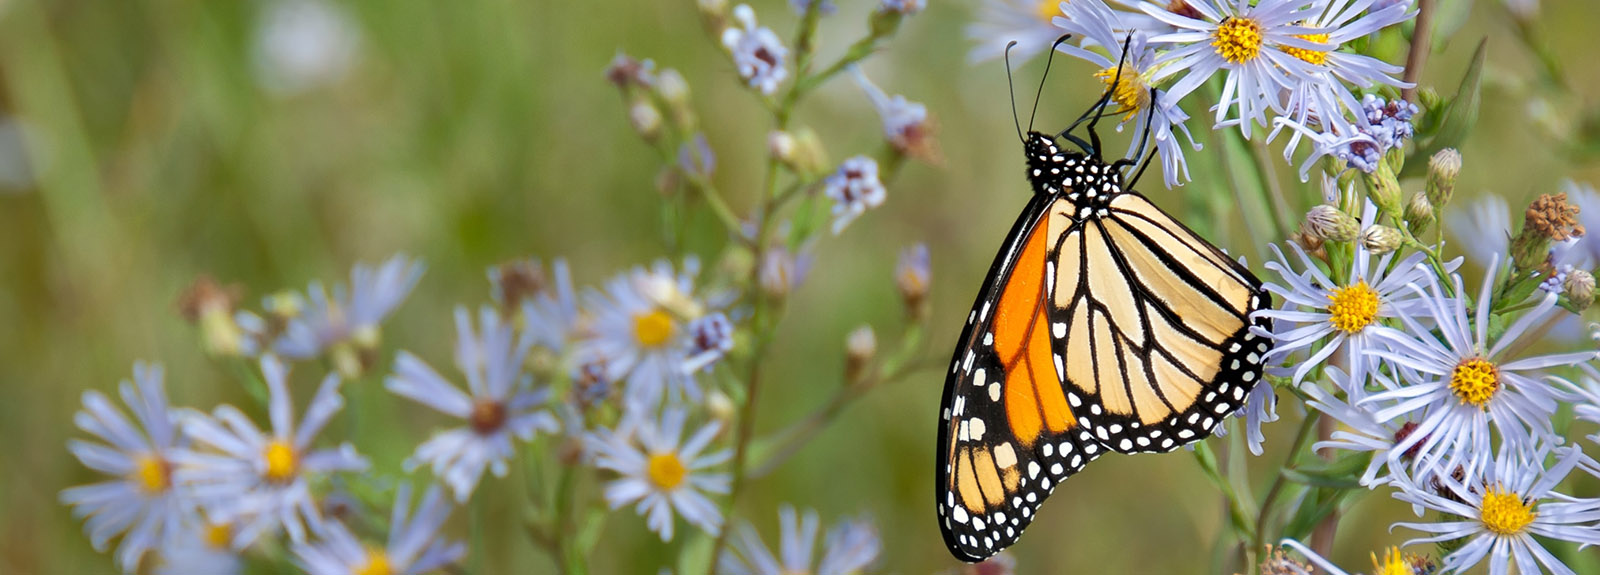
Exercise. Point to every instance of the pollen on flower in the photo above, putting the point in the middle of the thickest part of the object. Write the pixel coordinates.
(487, 416)
(281, 461)
(1393, 563)
(217, 535)
(1504, 513)
(1237, 40)
(1317, 57)
(667, 470)
(653, 328)
(1130, 91)
(1475, 381)
(1353, 308)
(153, 474)
(377, 564)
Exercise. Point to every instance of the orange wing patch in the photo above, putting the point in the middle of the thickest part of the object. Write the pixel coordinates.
(1034, 399)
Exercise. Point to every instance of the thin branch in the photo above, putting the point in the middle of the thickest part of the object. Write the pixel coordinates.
(1421, 44)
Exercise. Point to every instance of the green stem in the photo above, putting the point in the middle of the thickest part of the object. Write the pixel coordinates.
(1269, 504)
(1237, 514)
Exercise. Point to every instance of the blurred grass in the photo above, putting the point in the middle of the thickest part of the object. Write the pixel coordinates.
(472, 133)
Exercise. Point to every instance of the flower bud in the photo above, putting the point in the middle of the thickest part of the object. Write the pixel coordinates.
(859, 348)
(781, 146)
(646, 120)
(210, 305)
(720, 406)
(1419, 213)
(674, 89)
(1384, 189)
(1579, 290)
(1325, 222)
(714, 13)
(1443, 168)
(1381, 239)
(911, 275)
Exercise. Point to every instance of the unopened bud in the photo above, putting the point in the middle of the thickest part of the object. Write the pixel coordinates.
(1384, 189)
(1381, 239)
(779, 273)
(1443, 168)
(1325, 222)
(809, 156)
(911, 275)
(859, 347)
(781, 146)
(1579, 290)
(674, 89)
(210, 305)
(720, 406)
(646, 120)
(714, 13)
(1311, 244)
(1419, 213)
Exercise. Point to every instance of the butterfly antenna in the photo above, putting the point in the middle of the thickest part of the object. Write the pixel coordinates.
(1048, 60)
(1100, 104)
(1144, 136)
(1011, 88)
(1148, 121)
(1116, 80)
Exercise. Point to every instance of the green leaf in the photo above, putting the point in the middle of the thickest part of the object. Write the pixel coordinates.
(1449, 126)
(1342, 473)
(695, 556)
(1448, 18)
(1318, 504)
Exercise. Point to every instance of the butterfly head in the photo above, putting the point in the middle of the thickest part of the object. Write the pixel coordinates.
(1052, 169)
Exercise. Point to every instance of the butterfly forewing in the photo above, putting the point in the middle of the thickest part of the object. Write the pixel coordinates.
(1007, 436)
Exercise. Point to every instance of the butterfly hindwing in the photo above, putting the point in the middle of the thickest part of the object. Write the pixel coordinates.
(1007, 436)
(1154, 323)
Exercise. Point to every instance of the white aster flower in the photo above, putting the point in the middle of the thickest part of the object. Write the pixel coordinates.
(1346, 314)
(413, 547)
(1361, 430)
(757, 52)
(551, 317)
(1458, 386)
(1495, 514)
(662, 473)
(1393, 562)
(1246, 42)
(200, 548)
(346, 323)
(499, 404)
(303, 44)
(141, 502)
(851, 547)
(256, 481)
(854, 189)
(1483, 230)
(1026, 22)
(1098, 25)
(638, 333)
(906, 124)
(1323, 97)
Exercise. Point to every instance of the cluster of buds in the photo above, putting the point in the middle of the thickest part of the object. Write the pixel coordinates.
(1550, 218)
(656, 100)
(801, 151)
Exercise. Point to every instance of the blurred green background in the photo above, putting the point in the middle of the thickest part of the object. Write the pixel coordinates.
(144, 142)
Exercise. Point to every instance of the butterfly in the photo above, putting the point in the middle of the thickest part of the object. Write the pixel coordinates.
(1104, 325)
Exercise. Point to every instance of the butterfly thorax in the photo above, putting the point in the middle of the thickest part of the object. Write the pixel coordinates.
(1083, 180)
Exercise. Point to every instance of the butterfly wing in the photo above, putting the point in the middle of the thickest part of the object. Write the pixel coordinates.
(1154, 324)
(1007, 436)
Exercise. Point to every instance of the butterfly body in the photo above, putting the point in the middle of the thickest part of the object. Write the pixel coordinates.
(1103, 325)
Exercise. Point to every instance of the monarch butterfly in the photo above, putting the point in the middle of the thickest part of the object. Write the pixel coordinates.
(1103, 325)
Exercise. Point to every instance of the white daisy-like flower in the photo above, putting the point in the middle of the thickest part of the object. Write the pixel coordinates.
(1133, 75)
(499, 404)
(660, 472)
(200, 548)
(638, 333)
(906, 124)
(711, 339)
(1361, 431)
(1582, 252)
(1026, 22)
(849, 548)
(259, 481)
(346, 323)
(551, 317)
(854, 189)
(1248, 42)
(1260, 407)
(759, 55)
(141, 502)
(1495, 513)
(301, 45)
(1323, 97)
(1393, 562)
(413, 547)
(1483, 230)
(1346, 314)
(1458, 386)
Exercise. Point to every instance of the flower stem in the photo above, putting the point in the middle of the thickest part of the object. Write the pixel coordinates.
(1421, 44)
(1269, 504)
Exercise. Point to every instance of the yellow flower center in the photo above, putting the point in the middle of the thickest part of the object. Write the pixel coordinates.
(1353, 308)
(1475, 381)
(1504, 513)
(1130, 91)
(377, 564)
(152, 473)
(1393, 563)
(1047, 10)
(1237, 40)
(281, 461)
(652, 329)
(218, 535)
(1318, 57)
(667, 471)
